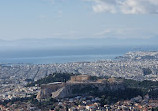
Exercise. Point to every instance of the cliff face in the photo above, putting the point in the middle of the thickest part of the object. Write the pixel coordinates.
(47, 89)
(74, 89)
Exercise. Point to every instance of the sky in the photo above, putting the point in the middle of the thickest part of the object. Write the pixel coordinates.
(59, 24)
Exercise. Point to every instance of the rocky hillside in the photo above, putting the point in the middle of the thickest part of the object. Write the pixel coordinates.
(62, 90)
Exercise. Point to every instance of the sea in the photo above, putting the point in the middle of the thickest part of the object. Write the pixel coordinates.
(58, 59)
(66, 56)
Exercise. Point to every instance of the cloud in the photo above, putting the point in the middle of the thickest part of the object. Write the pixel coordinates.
(51, 1)
(54, 1)
(126, 6)
(60, 13)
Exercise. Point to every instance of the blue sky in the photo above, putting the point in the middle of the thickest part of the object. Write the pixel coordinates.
(48, 24)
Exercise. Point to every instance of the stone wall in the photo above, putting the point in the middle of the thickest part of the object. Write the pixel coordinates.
(80, 78)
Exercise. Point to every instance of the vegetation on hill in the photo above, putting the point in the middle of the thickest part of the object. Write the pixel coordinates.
(110, 97)
(146, 71)
(140, 84)
(155, 109)
(133, 89)
(146, 86)
(55, 77)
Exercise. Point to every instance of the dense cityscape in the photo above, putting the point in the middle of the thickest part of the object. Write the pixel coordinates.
(138, 66)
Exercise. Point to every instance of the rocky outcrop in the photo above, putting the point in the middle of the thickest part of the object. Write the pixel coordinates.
(47, 89)
(63, 90)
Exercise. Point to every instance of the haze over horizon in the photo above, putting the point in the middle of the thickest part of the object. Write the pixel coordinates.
(83, 25)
